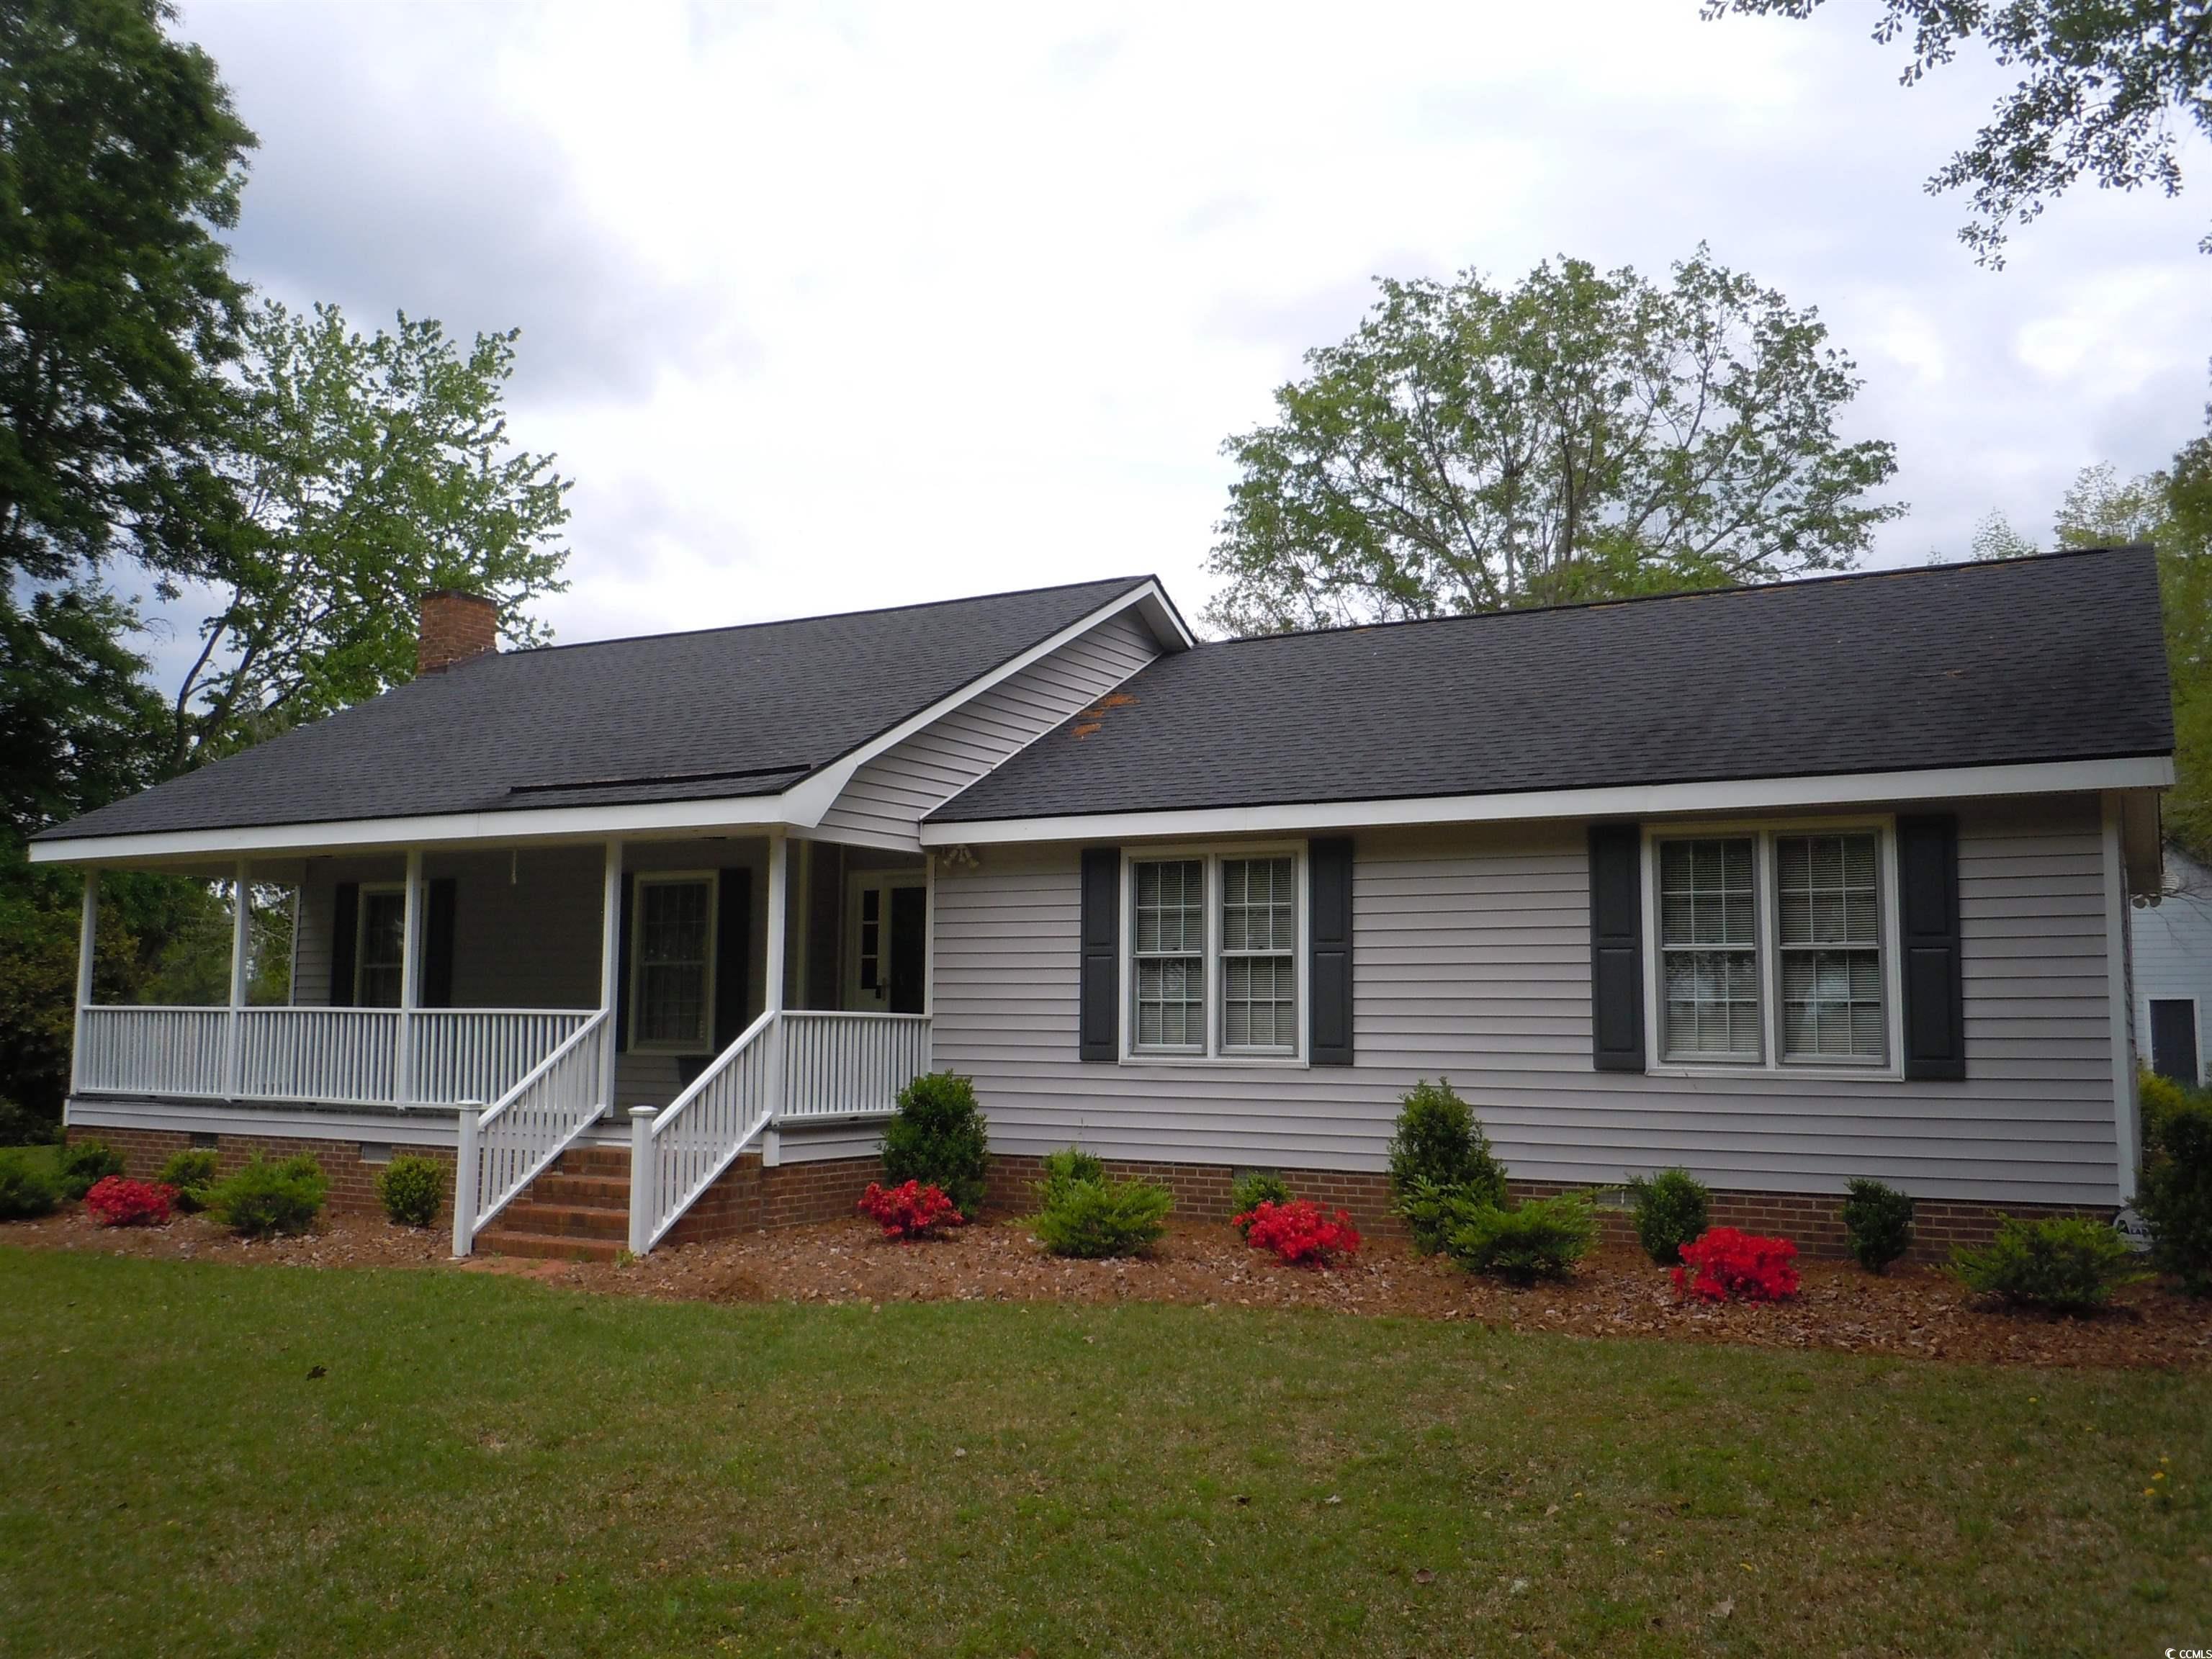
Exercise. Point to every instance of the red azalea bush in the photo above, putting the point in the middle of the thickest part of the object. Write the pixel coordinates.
(116, 1202)
(1748, 1267)
(910, 1210)
(1299, 1230)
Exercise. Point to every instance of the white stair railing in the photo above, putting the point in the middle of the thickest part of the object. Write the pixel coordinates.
(677, 1153)
(512, 1142)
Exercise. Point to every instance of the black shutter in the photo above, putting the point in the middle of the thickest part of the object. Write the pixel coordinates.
(622, 964)
(1329, 921)
(1616, 884)
(345, 929)
(438, 944)
(1928, 907)
(1099, 1002)
(734, 955)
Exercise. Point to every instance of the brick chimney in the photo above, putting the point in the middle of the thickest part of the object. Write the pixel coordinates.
(456, 626)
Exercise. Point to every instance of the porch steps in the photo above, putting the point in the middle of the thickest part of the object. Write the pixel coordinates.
(577, 1211)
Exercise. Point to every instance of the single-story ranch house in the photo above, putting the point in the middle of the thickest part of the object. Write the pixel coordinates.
(1786, 884)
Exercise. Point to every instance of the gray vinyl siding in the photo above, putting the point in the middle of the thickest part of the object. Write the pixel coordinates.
(1471, 951)
(2172, 945)
(888, 797)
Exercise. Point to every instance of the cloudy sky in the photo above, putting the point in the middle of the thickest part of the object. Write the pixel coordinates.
(841, 305)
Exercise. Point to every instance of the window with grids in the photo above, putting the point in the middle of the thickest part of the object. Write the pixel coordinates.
(381, 953)
(1709, 948)
(673, 950)
(1168, 954)
(1259, 959)
(1828, 936)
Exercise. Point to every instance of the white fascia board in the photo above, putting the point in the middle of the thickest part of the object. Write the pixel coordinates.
(1629, 801)
(575, 824)
(813, 796)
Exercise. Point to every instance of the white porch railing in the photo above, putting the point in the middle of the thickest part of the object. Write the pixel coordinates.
(835, 1064)
(787, 1068)
(479, 1053)
(347, 1056)
(509, 1145)
(677, 1153)
(336, 1056)
(154, 1051)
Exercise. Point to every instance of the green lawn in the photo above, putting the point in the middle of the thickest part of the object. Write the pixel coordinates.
(486, 1465)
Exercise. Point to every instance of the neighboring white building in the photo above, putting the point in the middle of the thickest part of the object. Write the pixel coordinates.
(2172, 967)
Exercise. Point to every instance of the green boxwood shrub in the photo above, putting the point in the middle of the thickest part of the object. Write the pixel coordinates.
(411, 1187)
(262, 1198)
(1252, 1188)
(85, 1164)
(21, 1127)
(2069, 1264)
(940, 1139)
(27, 1188)
(1877, 1223)
(192, 1172)
(1542, 1238)
(1673, 1208)
(1095, 1218)
(2175, 1198)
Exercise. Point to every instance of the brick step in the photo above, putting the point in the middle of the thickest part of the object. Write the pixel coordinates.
(592, 1191)
(565, 1220)
(500, 1240)
(594, 1161)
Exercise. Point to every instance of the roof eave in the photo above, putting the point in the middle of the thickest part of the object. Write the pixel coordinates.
(1607, 801)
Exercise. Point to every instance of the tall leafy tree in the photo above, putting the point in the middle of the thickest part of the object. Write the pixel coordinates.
(1579, 435)
(2107, 88)
(120, 159)
(367, 469)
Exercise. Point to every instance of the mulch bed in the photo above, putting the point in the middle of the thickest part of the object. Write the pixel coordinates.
(1911, 1312)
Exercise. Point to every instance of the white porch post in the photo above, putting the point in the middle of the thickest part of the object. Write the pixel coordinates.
(610, 969)
(929, 960)
(88, 936)
(779, 865)
(641, 1178)
(467, 1156)
(241, 920)
(410, 978)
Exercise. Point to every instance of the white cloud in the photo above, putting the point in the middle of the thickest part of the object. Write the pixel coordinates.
(848, 306)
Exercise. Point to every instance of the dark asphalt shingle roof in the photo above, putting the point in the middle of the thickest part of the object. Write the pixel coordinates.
(730, 711)
(2054, 658)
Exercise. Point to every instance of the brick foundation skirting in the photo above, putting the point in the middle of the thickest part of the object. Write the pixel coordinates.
(750, 1198)
(352, 1178)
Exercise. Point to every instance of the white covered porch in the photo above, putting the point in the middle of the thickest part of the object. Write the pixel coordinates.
(696, 998)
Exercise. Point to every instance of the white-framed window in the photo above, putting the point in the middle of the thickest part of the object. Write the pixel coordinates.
(1216, 944)
(671, 1007)
(379, 950)
(1772, 946)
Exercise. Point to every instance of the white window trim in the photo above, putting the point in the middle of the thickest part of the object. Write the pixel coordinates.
(1770, 1064)
(1215, 1053)
(712, 879)
(2197, 1019)
(380, 890)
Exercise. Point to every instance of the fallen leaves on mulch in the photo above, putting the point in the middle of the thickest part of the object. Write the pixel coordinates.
(1912, 1312)
(344, 1240)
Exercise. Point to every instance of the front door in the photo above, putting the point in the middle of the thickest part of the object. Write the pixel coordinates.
(884, 956)
(2173, 1039)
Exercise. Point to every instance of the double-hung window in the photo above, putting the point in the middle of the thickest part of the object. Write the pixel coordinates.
(381, 947)
(1772, 948)
(1214, 953)
(672, 948)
